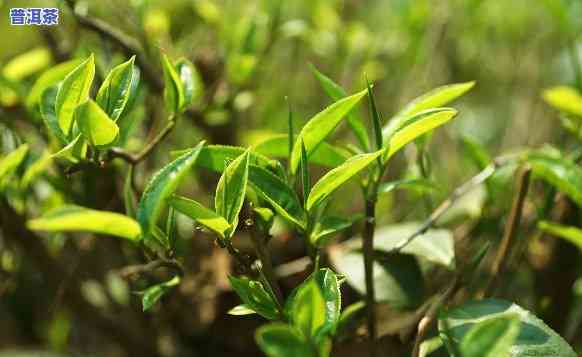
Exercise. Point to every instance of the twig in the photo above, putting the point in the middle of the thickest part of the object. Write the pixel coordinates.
(368, 246)
(264, 256)
(128, 44)
(427, 320)
(134, 159)
(510, 230)
(473, 182)
(131, 270)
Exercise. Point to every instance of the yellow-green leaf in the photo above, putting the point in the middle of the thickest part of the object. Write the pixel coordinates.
(49, 78)
(321, 125)
(231, 189)
(75, 218)
(415, 126)
(99, 130)
(10, 162)
(204, 216)
(437, 97)
(565, 99)
(73, 91)
(569, 233)
(26, 64)
(338, 176)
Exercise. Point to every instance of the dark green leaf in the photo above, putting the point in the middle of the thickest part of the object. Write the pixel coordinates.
(535, 338)
(281, 340)
(231, 189)
(49, 115)
(128, 195)
(75, 218)
(154, 293)
(161, 186)
(376, 121)
(305, 184)
(321, 125)
(115, 92)
(254, 295)
(315, 307)
(276, 192)
(491, 338)
(397, 277)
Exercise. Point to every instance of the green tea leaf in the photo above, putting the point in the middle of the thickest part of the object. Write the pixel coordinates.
(278, 194)
(328, 226)
(397, 277)
(437, 97)
(305, 184)
(161, 186)
(49, 78)
(570, 233)
(116, 89)
(336, 92)
(73, 91)
(206, 217)
(315, 307)
(376, 121)
(321, 125)
(173, 88)
(99, 130)
(154, 293)
(561, 173)
(36, 169)
(415, 126)
(10, 162)
(74, 151)
(75, 218)
(435, 245)
(213, 157)
(191, 81)
(49, 114)
(535, 338)
(565, 99)
(27, 63)
(417, 184)
(491, 338)
(338, 176)
(241, 310)
(254, 295)
(281, 340)
(231, 189)
(325, 154)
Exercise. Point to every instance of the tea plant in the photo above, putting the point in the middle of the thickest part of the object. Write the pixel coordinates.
(274, 179)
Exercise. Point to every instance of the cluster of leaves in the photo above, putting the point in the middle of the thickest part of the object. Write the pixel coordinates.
(309, 318)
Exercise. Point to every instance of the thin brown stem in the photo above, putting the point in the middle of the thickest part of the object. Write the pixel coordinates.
(368, 246)
(264, 257)
(150, 267)
(469, 185)
(134, 159)
(510, 232)
(429, 317)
